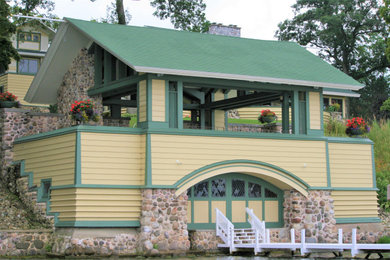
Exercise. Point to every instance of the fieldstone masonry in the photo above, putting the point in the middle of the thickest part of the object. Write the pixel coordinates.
(24, 242)
(163, 222)
(76, 82)
(314, 213)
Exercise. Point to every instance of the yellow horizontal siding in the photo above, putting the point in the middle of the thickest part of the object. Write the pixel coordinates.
(18, 85)
(83, 204)
(158, 100)
(108, 204)
(352, 204)
(112, 159)
(315, 110)
(195, 152)
(254, 112)
(49, 158)
(350, 165)
(142, 101)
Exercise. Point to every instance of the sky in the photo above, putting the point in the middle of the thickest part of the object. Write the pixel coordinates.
(258, 19)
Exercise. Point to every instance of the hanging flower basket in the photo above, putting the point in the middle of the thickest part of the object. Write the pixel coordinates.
(83, 112)
(267, 117)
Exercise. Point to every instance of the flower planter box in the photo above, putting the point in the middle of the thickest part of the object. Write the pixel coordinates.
(8, 104)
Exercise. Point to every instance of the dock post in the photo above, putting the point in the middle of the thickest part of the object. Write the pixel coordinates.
(340, 236)
(354, 250)
(303, 246)
(292, 234)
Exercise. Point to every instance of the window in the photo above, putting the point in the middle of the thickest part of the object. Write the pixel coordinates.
(326, 103)
(46, 185)
(28, 66)
(1, 88)
(29, 37)
(338, 101)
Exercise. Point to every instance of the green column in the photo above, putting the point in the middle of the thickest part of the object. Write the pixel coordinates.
(98, 66)
(107, 67)
(202, 114)
(285, 113)
(180, 104)
(295, 112)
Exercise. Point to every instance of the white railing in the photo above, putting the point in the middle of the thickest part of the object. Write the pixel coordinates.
(259, 228)
(224, 229)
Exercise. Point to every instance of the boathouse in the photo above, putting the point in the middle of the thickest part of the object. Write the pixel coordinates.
(164, 178)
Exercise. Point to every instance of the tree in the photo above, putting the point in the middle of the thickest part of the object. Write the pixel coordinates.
(7, 29)
(348, 34)
(385, 13)
(187, 15)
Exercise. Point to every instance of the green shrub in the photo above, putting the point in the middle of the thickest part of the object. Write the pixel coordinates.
(335, 128)
(380, 135)
(384, 240)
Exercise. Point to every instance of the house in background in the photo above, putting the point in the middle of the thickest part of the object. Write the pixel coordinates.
(32, 41)
(163, 180)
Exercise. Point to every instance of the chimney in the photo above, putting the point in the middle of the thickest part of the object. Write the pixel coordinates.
(227, 30)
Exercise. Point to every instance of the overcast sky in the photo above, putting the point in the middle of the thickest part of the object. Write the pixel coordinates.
(257, 18)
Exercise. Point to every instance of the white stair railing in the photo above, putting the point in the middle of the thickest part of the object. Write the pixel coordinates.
(224, 229)
(259, 228)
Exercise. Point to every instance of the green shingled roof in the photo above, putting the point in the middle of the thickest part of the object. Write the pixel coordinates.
(151, 49)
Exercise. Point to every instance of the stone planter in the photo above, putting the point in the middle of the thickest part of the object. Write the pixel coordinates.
(8, 104)
(267, 119)
(354, 132)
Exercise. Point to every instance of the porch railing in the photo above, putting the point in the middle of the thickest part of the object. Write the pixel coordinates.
(224, 229)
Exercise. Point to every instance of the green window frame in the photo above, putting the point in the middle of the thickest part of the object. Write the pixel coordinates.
(28, 66)
(29, 37)
(268, 192)
(45, 190)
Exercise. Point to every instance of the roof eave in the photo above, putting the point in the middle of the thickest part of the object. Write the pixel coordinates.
(218, 75)
(341, 94)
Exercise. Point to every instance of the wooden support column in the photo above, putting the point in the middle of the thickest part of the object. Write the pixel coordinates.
(202, 114)
(286, 113)
(180, 104)
(107, 67)
(98, 65)
(116, 111)
(295, 112)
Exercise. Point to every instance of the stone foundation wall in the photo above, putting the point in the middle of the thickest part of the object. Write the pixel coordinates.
(315, 214)
(163, 222)
(120, 244)
(204, 240)
(25, 243)
(76, 82)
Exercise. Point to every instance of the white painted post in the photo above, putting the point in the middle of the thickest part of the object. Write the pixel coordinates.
(268, 239)
(216, 221)
(303, 246)
(292, 234)
(354, 250)
(256, 241)
(340, 236)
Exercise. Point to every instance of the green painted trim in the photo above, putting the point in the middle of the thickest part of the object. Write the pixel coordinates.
(148, 161)
(116, 85)
(212, 114)
(149, 105)
(98, 224)
(225, 96)
(322, 110)
(328, 175)
(295, 112)
(23, 173)
(107, 61)
(150, 125)
(138, 97)
(180, 104)
(357, 220)
(349, 140)
(373, 166)
(190, 176)
(77, 172)
(286, 113)
(354, 189)
(166, 102)
(233, 84)
(98, 66)
(307, 112)
(80, 128)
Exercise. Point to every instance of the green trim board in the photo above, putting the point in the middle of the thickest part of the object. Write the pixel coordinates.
(98, 224)
(357, 220)
(180, 104)
(166, 102)
(328, 175)
(373, 166)
(234, 163)
(149, 105)
(77, 172)
(148, 161)
(322, 111)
